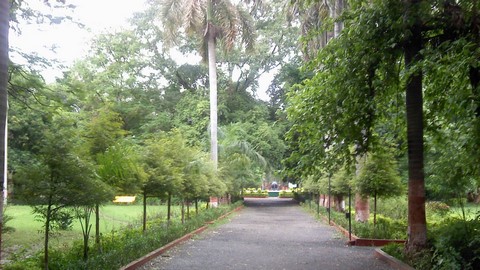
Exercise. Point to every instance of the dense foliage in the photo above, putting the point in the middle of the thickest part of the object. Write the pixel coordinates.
(401, 73)
(130, 118)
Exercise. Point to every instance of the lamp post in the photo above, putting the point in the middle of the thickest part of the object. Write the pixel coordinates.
(329, 197)
(350, 214)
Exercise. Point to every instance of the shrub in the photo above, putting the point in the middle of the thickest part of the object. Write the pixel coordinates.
(394, 207)
(285, 194)
(6, 220)
(121, 247)
(457, 244)
(254, 192)
(387, 228)
(395, 249)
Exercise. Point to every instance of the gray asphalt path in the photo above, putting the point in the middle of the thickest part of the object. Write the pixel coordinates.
(268, 234)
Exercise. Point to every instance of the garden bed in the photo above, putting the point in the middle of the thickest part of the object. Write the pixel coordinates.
(357, 241)
(254, 193)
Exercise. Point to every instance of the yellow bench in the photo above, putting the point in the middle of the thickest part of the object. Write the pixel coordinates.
(124, 199)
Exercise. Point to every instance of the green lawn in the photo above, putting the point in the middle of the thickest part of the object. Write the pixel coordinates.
(471, 211)
(28, 232)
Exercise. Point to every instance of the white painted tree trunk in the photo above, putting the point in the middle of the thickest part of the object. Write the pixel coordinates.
(338, 27)
(5, 171)
(212, 77)
(4, 27)
(362, 206)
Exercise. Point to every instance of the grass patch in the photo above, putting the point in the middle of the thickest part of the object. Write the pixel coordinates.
(121, 246)
(28, 232)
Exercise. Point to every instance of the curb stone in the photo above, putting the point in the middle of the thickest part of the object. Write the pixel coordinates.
(152, 255)
(392, 261)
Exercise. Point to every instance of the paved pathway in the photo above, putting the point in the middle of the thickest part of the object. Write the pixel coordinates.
(271, 234)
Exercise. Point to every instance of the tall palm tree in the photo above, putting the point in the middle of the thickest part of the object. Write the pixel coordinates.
(209, 21)
(312, 17)
(4, 26)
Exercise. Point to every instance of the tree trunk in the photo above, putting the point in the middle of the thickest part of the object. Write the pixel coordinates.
(338, 27)
(212, 79)
(188, 209)
(362, 208)
(196, 206)
(169, 207)
(417, 227)
(97, 225)
(374, 209)
(47, 236)
(144, 210)
(86, 229)
(4, 27)
(338, 199)
(183, 211)
(375, 215)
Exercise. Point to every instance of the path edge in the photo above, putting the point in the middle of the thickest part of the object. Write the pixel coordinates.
(392, 261)
(152, 255)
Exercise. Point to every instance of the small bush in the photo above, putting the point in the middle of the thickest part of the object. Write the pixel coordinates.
(393, 207)
(395, 250)
(457, 244)
(5, 227)
(254, 192)
(388, 228)
(285, 194)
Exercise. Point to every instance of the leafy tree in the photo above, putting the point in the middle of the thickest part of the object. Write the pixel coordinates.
(103, 128)
(96, 191)
(196, 172)
(164, 166)
(127, 70)
(244, 165)
(276, 45)
(289, 75)
(119, 166)
(340, 185)
(238, 168)
(101, 131)
(355, 81)
(192, 118)
(379, 178)
(263, 137)
(315, 185)
(58, 178)
(209, 21)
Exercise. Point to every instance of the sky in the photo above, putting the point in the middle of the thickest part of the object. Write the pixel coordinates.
(71, 42)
